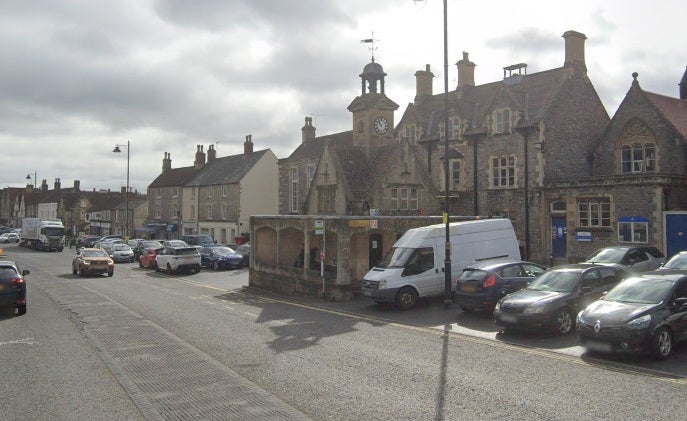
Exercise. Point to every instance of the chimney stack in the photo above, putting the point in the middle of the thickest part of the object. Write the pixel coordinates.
(683, 86)
(212, 153)
(57, 185)
(77, 185)
(423, 83)
(574, 51)
(122, 190)
(308, 131)
(44, 185)
(167, 162)
(248, 145)
(200, 157)
(466, 71)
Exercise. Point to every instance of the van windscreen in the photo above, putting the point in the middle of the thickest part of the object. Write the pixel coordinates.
(396, 258)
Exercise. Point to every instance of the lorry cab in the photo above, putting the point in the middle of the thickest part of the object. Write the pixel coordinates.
(414, 267)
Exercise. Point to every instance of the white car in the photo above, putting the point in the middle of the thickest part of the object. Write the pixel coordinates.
(176, 259)
(9, 237)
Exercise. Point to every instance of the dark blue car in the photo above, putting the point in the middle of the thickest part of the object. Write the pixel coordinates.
(220, 257)
(12, 288)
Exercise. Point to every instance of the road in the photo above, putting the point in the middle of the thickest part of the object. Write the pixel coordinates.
(147, 345)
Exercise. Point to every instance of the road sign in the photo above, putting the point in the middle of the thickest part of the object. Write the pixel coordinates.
(319, 227)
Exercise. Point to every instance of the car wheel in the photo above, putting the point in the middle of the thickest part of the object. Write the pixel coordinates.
(74, 271)
(81, 274)
(21, 310)
(467, 309)
(215, 266)
(157, 268)
(563, 321)
(406, 298)
(169, 268)
(662, 344)
(140, 264)
(110, 274)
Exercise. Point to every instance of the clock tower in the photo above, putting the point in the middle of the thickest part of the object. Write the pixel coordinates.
(373, 112)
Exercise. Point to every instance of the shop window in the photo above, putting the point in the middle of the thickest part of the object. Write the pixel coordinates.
(594, 212)
(633, 230)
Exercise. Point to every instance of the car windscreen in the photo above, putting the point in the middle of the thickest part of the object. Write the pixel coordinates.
(556, 281)
(640, 291)
(222, 251)
(396, 258)
(609, 255)
(679, 261)
(121, 247)
(94, 253)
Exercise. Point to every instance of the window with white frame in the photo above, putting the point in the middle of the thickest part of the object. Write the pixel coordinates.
(502, 121)
(209, 212)
(210, 188)
(311, 175)
(503, 171)
(293, 191)
(224, 211)
(158, 192)
(404, 198)
(633, 229)
(193, 212)
(456, 166)
(158, 213)
(175, 191)
(224, 190)
(638, 158)
(454, 127)
(193, 193)
(594, 212)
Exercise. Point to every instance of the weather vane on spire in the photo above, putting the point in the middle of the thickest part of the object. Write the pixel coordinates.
(372, 48)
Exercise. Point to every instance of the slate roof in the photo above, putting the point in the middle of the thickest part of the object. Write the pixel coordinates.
(174, 177)
(674, 110)
(226, 170)
(312, 149)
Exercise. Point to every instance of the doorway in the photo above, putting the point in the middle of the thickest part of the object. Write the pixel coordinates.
(376, 250)
(558, 237)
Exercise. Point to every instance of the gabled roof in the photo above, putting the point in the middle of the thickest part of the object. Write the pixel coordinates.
(533, 93)
(674, 110)
(226, 170)
(174, 177)
(355, 170)
(312, 149)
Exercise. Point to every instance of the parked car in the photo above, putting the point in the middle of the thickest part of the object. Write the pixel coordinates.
(9, 237)
(676, 263)
(92, 261)
(634, 258)
(86, 241)
(552, 299)
(176, 259)
(147, 259)
(244, 251)
(198, 240)
(134, 242)
(220, 257)
(12, 287)
(111, 237)
(144, 245)
(174, 243)
(646, 313)
(122, 253)
(482, 284)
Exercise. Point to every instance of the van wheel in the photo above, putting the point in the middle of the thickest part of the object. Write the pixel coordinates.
(406, 298)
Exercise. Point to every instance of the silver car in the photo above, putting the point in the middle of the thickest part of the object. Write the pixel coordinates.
(633, 258)
(122, 253)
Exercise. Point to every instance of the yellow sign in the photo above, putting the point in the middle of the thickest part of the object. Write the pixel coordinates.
(362, 223)
(445, 217)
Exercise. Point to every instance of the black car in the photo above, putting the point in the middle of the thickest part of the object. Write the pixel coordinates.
(482, 284)
(219, 257)
(642, 313)
(142, 246)
(553, 299)
(244, 251)
(12, 287)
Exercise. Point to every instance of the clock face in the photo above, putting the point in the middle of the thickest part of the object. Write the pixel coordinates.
(381, 125)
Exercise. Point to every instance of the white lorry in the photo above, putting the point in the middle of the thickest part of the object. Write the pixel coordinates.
(415, 265)
(41, 234)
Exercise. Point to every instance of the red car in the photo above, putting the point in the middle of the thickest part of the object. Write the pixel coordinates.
(147, 259)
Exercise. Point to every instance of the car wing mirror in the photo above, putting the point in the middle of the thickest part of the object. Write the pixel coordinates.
(681, 302)
(25, 272)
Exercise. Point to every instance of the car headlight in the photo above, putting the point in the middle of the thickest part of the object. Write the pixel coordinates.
(639, 323)
(382, 284)
(497, 307)
(533, 310)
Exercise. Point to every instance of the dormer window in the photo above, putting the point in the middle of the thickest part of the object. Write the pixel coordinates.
(409, 134)
(454, 127)
(502, 121)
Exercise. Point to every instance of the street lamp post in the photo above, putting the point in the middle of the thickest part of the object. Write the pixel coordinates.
(447, 248)
(35, 178)
(126, 218)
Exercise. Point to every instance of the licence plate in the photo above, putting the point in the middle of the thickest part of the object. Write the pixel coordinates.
(468, 288)
(598, 346)
(509, 318)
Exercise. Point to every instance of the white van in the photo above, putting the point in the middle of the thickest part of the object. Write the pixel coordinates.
(415, 265)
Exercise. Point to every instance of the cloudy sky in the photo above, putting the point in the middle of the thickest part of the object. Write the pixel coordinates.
(81, 76)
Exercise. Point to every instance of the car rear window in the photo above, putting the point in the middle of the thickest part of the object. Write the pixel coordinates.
(8, 273)
(654, 252)
(472, 275)
(187, 251)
